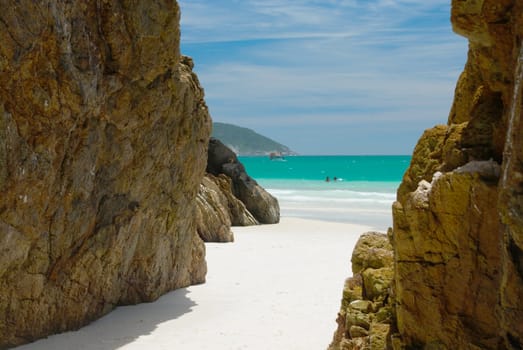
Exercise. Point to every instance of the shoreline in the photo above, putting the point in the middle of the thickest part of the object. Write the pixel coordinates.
(276, 287)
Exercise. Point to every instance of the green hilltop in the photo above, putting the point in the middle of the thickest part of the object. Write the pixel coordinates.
(247, 142)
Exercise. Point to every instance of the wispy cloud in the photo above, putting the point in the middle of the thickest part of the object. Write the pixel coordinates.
(289, 68)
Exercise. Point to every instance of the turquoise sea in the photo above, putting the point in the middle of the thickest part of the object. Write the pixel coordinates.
(363, 192)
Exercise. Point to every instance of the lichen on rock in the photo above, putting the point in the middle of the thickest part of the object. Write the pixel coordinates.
(218, 209)
(103, 141)
(457, 241)
(221, 201)
(366, 313)
(458, 219)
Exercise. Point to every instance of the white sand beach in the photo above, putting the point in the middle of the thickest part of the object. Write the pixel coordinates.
(276, 287)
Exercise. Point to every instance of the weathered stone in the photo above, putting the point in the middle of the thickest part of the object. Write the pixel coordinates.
(425, 160)
(365, 299)
(103, 140)
(378, 336)
(458, 257)
(373, 249)
(376, 283)
(352, 290)
(420, 197)
(357, 318)
(384, 314)
(364, 306)
(358, 332)
(218, 210)
(218, 155)
(262, 205)
(213, 219)
(354, 344)
(219, 203)
(488, 170)
(457, 245)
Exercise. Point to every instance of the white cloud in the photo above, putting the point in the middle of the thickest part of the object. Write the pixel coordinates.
(251, 19)
(338, 62)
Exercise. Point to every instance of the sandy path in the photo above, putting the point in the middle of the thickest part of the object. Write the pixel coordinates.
(277, 287)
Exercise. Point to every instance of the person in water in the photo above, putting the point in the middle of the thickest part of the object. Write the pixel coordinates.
(327, 179)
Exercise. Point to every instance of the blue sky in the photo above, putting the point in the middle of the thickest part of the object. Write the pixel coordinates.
(327, 76)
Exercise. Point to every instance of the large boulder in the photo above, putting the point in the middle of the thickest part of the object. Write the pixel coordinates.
(262, 205)
(103, 141)
(458, 221)
(218, 209)
(212, 217)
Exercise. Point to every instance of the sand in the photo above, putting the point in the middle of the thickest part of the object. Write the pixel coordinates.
(276, 287)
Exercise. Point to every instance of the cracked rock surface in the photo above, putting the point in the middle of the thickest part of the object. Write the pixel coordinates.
(458, 236)
(103, 144)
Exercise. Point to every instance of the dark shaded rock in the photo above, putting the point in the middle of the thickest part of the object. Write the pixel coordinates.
(218, 155)
(263, 206)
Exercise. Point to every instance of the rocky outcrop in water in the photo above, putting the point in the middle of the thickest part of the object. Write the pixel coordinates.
(458, 221)
(103, 141)
(262, 205)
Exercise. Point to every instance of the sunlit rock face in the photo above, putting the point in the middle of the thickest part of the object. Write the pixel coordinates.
(458, 221)
(103, 145)
(218, 209)
(366, 310)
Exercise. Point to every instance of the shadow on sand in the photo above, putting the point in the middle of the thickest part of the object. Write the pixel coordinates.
(122, 326)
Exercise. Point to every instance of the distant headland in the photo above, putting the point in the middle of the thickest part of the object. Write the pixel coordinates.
(247, 142)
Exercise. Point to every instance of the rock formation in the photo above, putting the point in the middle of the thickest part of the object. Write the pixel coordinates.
(103, 140)
(263, 206)
(223, 191)
(458, 221)
(366, 311)
(218, 209)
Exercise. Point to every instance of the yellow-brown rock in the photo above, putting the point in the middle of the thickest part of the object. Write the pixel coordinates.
(447, 264)
(365, 314)
(218, 209)
(212, 217)
(373, 250)
(103, 141)
(458, 222)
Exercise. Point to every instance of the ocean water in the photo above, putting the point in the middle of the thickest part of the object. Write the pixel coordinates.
(363, 192)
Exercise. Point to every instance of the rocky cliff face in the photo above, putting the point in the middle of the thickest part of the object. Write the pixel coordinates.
(458, 221)
(103, 141)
